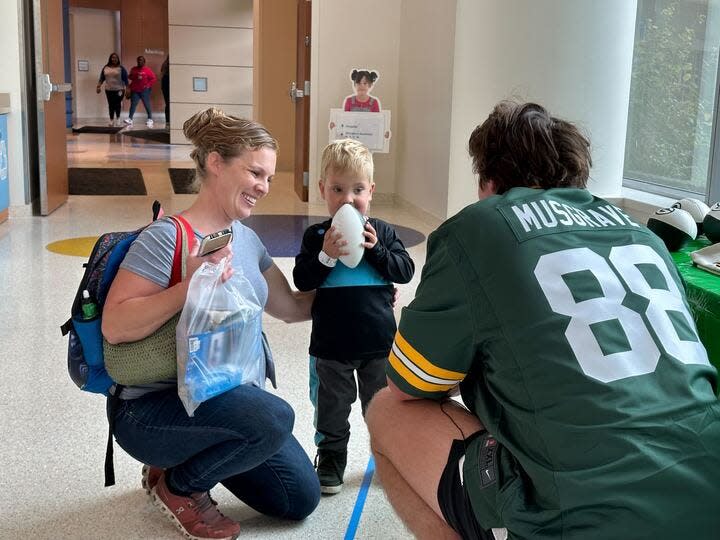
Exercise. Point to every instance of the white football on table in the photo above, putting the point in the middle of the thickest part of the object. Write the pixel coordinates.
(698, 210)
(711, 224)
(351, 223)
(675, 226)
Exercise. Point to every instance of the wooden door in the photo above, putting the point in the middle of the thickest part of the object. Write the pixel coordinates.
(51, 88)
(302, 100)
(274, 60)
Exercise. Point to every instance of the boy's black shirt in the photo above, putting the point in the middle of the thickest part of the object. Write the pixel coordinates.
(353, 321)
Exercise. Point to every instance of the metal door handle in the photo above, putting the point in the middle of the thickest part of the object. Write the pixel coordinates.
(46, 88)
(295, 92)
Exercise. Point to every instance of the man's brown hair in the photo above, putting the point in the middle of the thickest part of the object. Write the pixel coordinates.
(522, 145)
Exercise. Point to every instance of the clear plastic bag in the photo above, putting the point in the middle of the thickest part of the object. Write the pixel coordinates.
(219, 336)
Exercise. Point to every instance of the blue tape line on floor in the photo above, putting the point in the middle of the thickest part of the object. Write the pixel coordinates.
(360, 502)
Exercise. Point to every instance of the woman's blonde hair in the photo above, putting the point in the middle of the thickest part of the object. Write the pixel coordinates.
(212, 130)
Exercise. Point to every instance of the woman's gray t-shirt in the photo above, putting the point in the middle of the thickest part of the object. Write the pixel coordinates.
(113, 78)
(150, 256)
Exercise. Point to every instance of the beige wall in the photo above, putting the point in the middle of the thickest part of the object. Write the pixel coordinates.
(422, 122)
(93, 39)
(214, 42)
(345, 36)
(580, 71)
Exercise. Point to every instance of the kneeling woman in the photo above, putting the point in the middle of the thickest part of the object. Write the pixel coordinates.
(242, 438)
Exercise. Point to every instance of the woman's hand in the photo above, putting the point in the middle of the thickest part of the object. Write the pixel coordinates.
(135, 307)
(333, 244)
(97, 88)
(194, 262)
(370, 236)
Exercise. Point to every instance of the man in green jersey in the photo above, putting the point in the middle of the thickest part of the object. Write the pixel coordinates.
(564, 326)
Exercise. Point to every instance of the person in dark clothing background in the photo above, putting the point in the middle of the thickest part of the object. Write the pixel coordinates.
(115, 78)
(165, 86)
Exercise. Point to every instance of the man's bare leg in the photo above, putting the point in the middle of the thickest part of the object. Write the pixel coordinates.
(411, 441)
(422, 521)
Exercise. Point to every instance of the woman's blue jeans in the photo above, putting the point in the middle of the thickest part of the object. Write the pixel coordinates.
(242, 439)
(137, 96)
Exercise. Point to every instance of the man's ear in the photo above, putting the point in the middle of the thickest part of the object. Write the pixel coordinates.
(321, 185)
(372, 189)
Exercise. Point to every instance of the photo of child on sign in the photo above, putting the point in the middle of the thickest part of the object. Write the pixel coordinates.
(358, 119)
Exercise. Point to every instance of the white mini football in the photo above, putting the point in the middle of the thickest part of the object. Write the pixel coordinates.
(698, 210)
(351, 223)
(711, 224)
(675, 226)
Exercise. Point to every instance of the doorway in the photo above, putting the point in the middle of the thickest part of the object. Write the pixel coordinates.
(94, 34)
(275, 70)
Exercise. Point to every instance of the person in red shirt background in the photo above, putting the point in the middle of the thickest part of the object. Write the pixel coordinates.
(141, 80)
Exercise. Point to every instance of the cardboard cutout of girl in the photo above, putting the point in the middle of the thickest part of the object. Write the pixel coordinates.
(362, 101)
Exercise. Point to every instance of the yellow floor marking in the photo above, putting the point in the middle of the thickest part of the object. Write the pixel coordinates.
(77, 247)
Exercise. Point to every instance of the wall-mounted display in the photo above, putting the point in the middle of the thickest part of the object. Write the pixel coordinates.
(199, 84)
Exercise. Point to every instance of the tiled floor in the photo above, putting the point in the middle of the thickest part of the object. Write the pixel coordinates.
(52, 436)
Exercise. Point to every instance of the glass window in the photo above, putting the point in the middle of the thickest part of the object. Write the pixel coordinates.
(673, 96)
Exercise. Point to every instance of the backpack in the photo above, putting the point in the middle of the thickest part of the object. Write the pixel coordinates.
(85, 346)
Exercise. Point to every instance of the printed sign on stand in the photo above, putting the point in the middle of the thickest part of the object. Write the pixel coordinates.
(367, 127)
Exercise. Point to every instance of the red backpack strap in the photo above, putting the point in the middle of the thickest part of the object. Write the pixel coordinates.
(178, 266)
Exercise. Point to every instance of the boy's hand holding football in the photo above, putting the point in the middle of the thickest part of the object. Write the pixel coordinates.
(370, 236)
(334, 244)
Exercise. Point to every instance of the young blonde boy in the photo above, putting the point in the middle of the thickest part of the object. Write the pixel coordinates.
(353, 323)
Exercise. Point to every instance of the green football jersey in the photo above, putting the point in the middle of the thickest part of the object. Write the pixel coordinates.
(566, 326)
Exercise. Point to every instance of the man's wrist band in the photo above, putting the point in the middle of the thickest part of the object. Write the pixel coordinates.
(326, 259)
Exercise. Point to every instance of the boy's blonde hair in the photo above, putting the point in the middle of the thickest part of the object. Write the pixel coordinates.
(347, 156)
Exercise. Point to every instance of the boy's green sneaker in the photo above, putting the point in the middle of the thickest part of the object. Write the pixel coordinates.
(330, 465)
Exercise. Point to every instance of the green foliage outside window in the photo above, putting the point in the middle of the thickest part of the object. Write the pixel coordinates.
(670, 117)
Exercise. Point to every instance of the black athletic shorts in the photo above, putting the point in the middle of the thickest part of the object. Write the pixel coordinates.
(453, 499)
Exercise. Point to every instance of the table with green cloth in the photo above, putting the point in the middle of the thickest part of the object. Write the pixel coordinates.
(703, 294)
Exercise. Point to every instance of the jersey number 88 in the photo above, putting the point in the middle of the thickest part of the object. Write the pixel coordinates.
(617, 275)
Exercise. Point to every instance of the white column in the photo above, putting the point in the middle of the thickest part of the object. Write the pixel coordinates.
(572, 56)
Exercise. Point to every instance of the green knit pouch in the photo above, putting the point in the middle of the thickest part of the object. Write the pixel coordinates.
(153, 358)
(145, 361)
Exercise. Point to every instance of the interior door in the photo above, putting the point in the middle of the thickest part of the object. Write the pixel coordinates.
(275, 58)
(50, 89)
(302, 100)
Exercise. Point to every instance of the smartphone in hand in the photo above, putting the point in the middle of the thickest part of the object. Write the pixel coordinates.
(212, 242)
